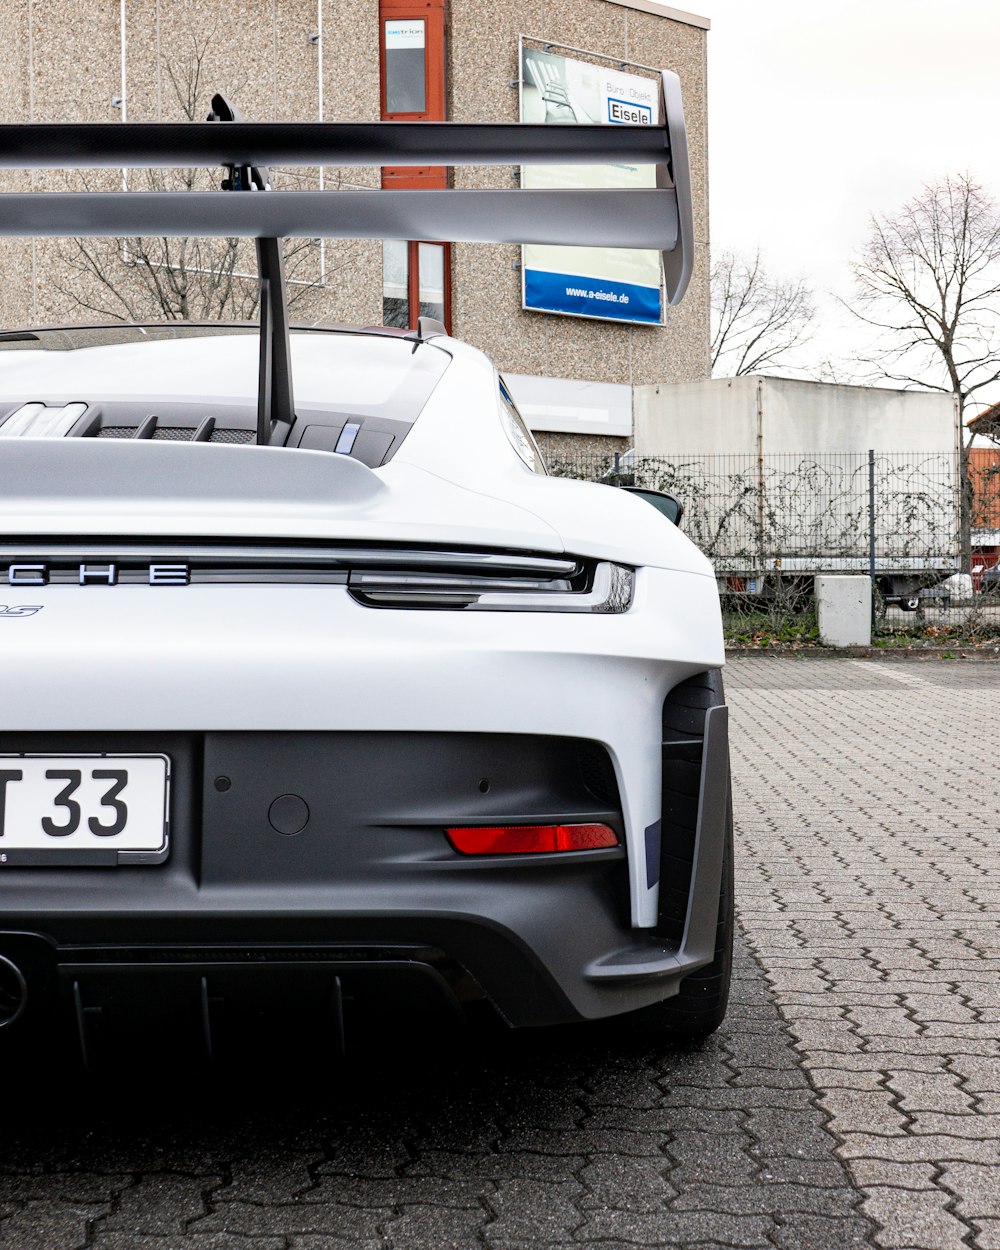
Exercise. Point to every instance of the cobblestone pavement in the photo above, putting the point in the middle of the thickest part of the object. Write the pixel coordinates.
(869, 886)
(851, 1099)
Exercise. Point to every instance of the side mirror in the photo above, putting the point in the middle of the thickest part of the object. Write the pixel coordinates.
(662, 501)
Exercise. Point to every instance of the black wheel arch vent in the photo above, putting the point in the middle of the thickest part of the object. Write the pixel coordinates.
(684, 714)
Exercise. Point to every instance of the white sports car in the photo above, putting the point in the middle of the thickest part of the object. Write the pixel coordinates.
(317, 691)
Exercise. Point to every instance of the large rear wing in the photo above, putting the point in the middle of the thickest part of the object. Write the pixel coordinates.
(658, 218)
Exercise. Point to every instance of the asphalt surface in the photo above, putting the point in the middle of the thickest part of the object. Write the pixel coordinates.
(852, 1097)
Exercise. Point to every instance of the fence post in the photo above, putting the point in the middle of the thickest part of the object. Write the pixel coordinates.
(761, 509)
(965, 503)
(871, 528)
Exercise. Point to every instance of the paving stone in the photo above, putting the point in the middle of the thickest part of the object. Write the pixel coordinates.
(291, 1218)
(859, 1111)
(629, 1184)
(62, 1186)
(325, 1242)
(767, 1199)
(584, 1141)
(435, 1228)
(882, 1063)
(971, 1124)
(892, 835)
(914, 1218)
(797, 1096)
(768, 1078)
(533, 1210)
(502, 1165)
(49, 1225)
(789, 1132)
(195, 1241)
(930, 1092)
(976, 1186)
(819, 1173)
(937, 1007)
(708, 1158)
(829, 1079)
(384, 1192)
(621, 1089)
(987, 1234)
(274, 1180)
(818, 1232)
(872, 1172)
(669, 1228)
(979, 1075)
(936, 1046)
(161, 1204)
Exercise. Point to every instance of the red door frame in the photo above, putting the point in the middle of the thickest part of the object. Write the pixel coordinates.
(405, 177)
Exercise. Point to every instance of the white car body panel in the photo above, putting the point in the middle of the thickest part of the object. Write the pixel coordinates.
(455, 479)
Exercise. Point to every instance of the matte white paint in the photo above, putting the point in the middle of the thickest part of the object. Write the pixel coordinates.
(297, 657)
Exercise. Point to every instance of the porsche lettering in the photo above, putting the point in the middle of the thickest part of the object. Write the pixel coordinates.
(96, 574)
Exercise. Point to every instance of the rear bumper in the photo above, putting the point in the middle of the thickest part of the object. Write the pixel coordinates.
(370, 889)
(384, 723)
(291, 658)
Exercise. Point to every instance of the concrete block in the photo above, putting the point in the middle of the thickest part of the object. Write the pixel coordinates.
(844, 609)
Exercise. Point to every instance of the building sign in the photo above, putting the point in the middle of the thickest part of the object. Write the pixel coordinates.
(407, 34)
(614, 284)
(405, 72)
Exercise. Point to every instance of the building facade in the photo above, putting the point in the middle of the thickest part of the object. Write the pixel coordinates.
(353, 60)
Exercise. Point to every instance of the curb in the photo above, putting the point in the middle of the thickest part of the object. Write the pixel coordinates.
(815, 652)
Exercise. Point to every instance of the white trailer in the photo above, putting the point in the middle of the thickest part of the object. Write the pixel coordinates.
(787, 479)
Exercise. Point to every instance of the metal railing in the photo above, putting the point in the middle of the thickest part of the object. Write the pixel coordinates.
(769, 523)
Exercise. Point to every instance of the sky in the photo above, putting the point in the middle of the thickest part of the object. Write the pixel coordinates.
(821, 114)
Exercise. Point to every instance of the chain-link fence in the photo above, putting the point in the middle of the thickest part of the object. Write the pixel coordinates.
(924, 527)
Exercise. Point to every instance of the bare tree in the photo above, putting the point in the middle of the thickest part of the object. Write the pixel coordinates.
(187, 279)
(757, 320)
(928, 282)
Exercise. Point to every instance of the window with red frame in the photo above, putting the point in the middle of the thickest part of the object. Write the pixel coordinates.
(416, 276)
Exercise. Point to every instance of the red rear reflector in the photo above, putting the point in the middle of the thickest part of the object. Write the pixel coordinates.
(530, 839)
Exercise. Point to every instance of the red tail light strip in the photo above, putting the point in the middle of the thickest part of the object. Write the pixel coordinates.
(530, 839)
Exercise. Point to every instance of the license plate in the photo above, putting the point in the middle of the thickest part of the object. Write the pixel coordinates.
(83, 809)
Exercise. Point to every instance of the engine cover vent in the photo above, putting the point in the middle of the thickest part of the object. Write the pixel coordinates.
(41, 421)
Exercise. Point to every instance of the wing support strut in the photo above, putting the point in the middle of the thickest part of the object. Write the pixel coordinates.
(275, 398)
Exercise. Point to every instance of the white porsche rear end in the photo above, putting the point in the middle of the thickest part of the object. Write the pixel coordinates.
(317, 693)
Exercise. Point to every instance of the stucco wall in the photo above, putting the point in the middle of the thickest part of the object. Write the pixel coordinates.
(486, 307)
(64, 62)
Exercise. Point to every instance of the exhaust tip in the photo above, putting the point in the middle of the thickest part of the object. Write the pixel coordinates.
(13, 992)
